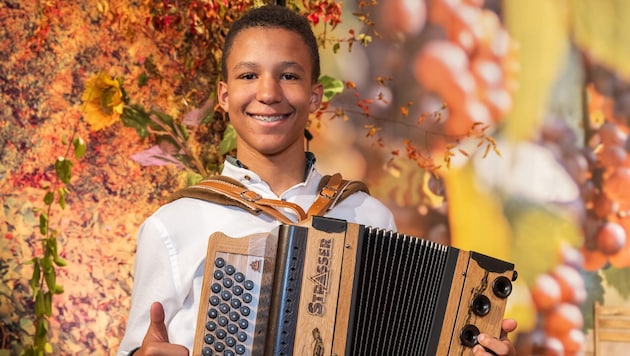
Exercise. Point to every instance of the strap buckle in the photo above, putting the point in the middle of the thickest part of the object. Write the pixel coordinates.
(329, 192)
(250, 196)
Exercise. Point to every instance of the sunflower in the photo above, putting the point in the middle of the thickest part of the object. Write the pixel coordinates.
(103, 100)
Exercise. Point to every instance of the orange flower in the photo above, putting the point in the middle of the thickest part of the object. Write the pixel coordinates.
(103, 100)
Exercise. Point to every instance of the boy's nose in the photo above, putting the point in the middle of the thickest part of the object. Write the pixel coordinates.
(269, 90)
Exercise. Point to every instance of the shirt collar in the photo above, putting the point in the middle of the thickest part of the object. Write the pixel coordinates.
(310, 162)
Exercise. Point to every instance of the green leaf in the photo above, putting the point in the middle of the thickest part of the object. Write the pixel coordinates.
(48, 304)
(336, 47)
(593, 283)
(49, 198)
(40, 307)
(62, 197)
(143, 79)
(79, 147)
(43, 224)
(136, 117)
(332, 87)
(229, 140)
(36, 275)
(63, 168)
(193, 178)
(619, 279)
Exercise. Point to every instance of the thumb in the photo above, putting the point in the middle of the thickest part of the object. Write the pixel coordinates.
(157, 329)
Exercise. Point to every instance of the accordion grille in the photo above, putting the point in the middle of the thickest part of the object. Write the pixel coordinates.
(397, 294)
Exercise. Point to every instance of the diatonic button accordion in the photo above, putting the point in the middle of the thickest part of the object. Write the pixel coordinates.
(329, 287)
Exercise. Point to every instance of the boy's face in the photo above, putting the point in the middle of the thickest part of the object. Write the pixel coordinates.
(269, 91)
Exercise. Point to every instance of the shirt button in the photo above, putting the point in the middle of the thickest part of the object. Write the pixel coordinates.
(247, 178)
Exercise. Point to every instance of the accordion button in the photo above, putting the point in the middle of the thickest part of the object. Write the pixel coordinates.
(249, 285)
(206, 351)
(223, 321)
(216, 288)
(229, 269)
(242, 337)
(232, 329)
(240, 349)
(214, 300)
(247, 298)
(212, 313)
(211, 326)
(228, 283)
(235, 303)
(228, 353)
(221, 334)
(239, 277)
(208, 339)
(230, 341)
(234, 316)
(245, 310)
(237, 290)
(219, 347)
(224, 308)
(219, 262)
(226, 295)
(218, 274)
(243, 324)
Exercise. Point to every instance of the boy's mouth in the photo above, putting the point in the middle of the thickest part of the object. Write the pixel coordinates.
(268, 118)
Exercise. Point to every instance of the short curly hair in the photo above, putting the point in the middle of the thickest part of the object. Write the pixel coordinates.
(273, 16)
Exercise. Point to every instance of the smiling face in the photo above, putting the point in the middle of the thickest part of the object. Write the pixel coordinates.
(269, 92)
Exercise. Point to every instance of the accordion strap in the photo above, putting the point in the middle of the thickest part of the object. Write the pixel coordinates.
(227, 191)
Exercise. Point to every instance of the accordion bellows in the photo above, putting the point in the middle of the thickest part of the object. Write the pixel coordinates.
(329, 287)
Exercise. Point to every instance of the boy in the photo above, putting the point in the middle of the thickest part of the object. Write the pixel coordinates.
(270, 69)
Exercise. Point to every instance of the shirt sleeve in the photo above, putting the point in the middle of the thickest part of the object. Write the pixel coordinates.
(155, 256)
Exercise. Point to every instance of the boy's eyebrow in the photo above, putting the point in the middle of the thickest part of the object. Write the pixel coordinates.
(283, 65)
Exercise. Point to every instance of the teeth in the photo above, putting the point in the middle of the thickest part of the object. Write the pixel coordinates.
(268, 118)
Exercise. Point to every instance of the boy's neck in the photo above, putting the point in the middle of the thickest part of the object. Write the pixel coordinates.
(280, 172)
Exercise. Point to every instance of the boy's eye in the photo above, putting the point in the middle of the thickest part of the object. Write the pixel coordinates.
(289, 76)
(247, 76)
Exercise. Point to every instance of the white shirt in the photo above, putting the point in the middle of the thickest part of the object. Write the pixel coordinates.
(172, 245)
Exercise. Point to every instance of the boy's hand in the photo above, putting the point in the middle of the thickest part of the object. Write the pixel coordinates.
(501, 346)
(155, 341)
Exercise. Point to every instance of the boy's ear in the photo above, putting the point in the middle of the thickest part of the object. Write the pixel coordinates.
(222, 95)
(316, 96)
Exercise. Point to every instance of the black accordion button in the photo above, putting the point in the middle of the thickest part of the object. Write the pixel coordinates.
(243, 323)
(219, 262)
(230, 341)
(226, 295)
(242, 337)
(228, 353)
(235, 303)
(216, 288)
(223, 321)
(221, 334)
(240, 349)
(206, 351)
(234, 316)
(239, 277)
(228, 283)
(219, 346)
(247, 298)
(218, 274)
(229, 269)
(245, 310)
(232, 329)
(224, 308)
(214, 300)
(237, 290)
(208, 339)
(248, 284)
(212, 313)
(211, 326)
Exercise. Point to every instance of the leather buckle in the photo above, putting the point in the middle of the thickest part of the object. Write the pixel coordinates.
(250, 196)
(329, 192)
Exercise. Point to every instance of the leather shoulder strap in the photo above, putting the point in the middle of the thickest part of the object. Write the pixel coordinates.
(227, 191)
(332, 190)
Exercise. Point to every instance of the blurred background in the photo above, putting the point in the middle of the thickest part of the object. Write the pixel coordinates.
(494, 126)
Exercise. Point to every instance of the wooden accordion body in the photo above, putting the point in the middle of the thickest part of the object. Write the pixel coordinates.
(328, 287)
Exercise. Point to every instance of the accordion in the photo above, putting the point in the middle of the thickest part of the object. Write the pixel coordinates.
(329, 287)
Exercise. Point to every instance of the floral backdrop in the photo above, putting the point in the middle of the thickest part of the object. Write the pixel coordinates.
(479, 127)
